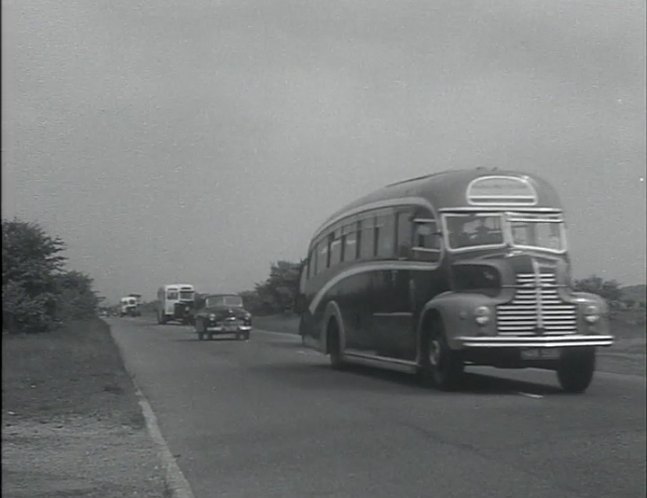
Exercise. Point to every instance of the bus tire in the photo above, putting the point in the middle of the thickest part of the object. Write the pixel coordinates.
(575, 369)
(441, 366)
(334, 345)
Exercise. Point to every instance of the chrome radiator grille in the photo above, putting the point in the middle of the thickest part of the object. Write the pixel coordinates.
(536, 307)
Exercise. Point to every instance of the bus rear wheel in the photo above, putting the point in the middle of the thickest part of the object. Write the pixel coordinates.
(334, 346)
(441, 366)
(575, 369)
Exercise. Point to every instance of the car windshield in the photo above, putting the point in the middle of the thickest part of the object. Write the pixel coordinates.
(473, 229)
(536, 231)
(224, 301)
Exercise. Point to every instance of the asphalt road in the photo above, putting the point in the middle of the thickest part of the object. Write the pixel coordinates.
(268, 418)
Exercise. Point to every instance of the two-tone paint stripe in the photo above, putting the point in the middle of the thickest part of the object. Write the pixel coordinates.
(366, 268)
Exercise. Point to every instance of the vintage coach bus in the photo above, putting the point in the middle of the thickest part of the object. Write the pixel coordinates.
(456, 268)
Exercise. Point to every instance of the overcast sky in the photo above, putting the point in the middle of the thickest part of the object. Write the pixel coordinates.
(200, 141)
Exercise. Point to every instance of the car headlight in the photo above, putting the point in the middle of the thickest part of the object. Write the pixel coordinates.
(482, 315)
(212, 317)
(591, 313)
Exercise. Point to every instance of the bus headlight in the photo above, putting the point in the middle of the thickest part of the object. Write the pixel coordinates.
(482, 315)
(212, 317)
(592, 313)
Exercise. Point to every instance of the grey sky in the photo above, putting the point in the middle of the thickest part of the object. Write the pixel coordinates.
(200, 142)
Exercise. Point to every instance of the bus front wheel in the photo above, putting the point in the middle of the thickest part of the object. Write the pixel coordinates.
(441, 366)
(575, 369)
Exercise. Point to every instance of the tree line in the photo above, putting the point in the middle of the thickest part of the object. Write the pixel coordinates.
(278, 293)
(38, 291)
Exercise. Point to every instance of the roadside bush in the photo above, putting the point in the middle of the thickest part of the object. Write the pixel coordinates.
(608, 289)
(36, 290)
(278, 293)
(75, 297)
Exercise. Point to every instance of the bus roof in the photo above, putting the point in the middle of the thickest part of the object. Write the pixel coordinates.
(178, 286)
(459, 189)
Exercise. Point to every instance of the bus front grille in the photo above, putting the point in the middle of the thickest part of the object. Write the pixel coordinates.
(536, 308)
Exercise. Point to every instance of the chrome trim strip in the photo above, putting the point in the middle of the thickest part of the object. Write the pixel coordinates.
(536, 342)
(395, 313)
(486, 208)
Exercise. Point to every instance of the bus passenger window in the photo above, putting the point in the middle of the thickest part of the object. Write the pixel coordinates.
(404, 235)
(322, 256)
(349, 242)
(367, 239)
(385, 236)
(426, 241)
(335, 249)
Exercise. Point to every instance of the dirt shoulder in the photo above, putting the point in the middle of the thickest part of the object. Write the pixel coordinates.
(71, 422)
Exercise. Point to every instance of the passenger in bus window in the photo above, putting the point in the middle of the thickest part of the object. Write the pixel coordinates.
(482, 233)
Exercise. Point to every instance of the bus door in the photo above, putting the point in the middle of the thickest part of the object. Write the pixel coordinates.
(426, 283)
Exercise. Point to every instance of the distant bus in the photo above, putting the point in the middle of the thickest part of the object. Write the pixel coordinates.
(129, 306)
(175, 302)
(457, 268)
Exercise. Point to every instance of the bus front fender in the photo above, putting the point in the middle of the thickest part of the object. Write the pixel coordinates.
(457, 312)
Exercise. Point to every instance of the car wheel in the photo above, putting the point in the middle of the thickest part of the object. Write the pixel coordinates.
(441, 366)
(575, 369)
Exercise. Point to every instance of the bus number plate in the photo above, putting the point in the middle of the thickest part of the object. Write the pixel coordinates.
(540, 354)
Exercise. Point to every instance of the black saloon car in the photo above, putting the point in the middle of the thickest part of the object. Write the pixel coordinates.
(222, 314)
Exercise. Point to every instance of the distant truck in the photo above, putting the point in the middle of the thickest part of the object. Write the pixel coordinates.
(129, 306)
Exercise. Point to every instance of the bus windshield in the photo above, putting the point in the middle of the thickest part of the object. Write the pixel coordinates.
(186, 295)
(473, 229)
(537, 231)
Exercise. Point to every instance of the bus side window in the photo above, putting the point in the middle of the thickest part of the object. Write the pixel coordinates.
(322, 255)
(335, 247)
(385, 235)
(426, 240)
(314, 260)
(367, 238)
(403, 239)
(349, 242)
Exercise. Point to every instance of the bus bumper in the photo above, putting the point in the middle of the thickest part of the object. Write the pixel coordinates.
(534, 341)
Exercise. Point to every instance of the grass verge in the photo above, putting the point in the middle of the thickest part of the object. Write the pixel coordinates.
(72, 425)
